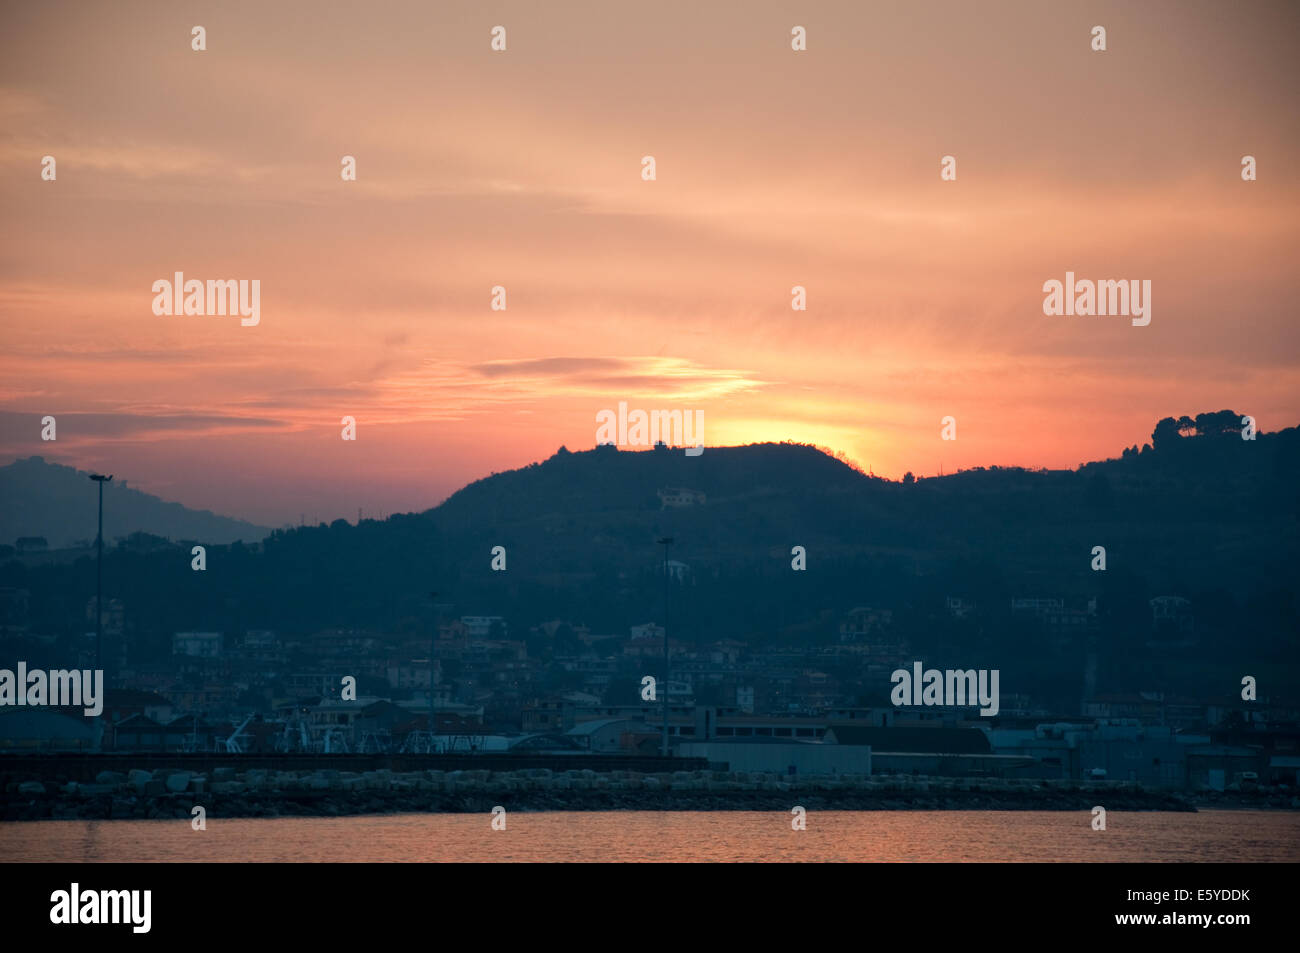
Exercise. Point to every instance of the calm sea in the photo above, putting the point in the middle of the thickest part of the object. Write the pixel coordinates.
(1232, 836)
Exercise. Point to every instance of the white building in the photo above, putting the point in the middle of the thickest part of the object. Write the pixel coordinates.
(480, 626)
(197, 644)
(674, 496)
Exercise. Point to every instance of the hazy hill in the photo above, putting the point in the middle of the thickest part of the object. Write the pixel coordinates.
(1202, 508)
(59, 503)
(1210, 518)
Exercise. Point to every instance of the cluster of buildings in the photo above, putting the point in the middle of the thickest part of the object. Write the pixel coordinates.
(469, 684)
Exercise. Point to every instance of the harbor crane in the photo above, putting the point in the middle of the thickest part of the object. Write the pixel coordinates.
(232, 744)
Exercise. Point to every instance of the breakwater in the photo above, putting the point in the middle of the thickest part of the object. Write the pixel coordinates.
(60, 767)
(226, 792)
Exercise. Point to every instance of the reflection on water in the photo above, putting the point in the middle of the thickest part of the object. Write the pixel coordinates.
(1245, 836)
(90, 841)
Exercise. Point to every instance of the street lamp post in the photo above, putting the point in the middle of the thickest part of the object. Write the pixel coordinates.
(99, 596)
(99, 573)
(433, 645)
(666, 541)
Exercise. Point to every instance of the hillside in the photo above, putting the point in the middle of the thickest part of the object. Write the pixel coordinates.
(38, 498)
(1209, 518)
(1207, 508)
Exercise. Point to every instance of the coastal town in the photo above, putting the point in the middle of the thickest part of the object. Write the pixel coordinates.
(477, 689)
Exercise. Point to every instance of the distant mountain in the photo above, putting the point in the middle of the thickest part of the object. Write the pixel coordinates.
(1196, 510)
(1210, 518)
(38, 498)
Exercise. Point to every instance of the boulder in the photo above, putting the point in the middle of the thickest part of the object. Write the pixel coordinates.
(110, 777)
(122, 807)
(178, 781)
(91, 790)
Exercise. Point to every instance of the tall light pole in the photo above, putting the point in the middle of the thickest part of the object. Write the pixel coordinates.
(99, 573)
(666, 541)
(433, 645)
(99, 478)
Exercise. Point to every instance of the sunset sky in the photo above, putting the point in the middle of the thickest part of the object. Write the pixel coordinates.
(523, 169)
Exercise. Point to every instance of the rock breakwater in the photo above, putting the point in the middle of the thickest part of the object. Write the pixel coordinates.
(224, 792)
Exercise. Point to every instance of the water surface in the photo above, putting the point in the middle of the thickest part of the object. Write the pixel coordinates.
(1241, 836)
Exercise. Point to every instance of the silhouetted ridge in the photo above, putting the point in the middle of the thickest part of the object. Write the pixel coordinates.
(38, 498)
